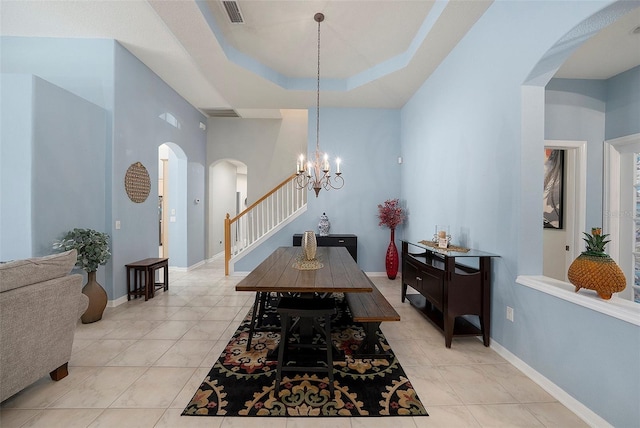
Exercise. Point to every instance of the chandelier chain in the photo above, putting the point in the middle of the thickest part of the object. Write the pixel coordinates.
(318, 94)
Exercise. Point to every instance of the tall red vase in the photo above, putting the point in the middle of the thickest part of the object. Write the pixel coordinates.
(391, 261)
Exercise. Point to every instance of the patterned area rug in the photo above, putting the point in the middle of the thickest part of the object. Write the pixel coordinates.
(241, 383)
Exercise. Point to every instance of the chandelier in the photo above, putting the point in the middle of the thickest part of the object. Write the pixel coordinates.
(316, 173)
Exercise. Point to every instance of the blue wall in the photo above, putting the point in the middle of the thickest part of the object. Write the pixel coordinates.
(134, 98)
(462, 133)
(81, 66)
(140, 101)
(68, 165)
(66, 138)
(623, 104)
(46, 198)
(16, 135)
(141, 98)
(367, 141)
(575, 110)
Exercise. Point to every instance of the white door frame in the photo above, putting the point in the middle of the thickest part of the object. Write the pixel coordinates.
(165, 207)
(611, 189)
(576, 191)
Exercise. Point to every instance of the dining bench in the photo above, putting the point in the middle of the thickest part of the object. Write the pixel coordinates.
(370, 309)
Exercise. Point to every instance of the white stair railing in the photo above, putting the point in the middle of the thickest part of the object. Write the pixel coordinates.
(262, 217)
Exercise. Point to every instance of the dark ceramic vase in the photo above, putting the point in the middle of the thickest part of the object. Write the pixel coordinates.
(97, 300)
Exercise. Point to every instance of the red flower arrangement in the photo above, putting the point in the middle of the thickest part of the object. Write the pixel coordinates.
(390, 214)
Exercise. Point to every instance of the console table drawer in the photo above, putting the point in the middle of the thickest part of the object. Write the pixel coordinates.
(432, 286)
(410, 273)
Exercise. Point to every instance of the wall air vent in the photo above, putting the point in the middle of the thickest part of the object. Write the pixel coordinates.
(233, 11)
(221, 112)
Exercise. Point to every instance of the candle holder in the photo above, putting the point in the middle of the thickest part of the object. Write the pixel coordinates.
(442, 236)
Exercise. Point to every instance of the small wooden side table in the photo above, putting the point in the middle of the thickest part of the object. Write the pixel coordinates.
(146, 268)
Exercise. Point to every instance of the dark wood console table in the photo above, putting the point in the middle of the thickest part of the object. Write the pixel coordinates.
(350, 242)
(448, 288)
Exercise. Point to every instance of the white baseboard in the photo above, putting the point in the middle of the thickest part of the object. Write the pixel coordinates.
(582, 411)
(375, 274)
(239, 273)
(117, 302)
(197, 265)
(217, 256)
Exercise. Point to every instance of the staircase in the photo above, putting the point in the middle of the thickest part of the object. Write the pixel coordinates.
(261, 220)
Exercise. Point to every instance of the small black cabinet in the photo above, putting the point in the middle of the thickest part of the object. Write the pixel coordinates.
(348, 241)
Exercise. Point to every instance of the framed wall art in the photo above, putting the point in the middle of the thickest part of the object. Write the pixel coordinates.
(553, 203)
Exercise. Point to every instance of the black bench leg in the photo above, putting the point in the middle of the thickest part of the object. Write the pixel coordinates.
(371, 339)
(367, 348)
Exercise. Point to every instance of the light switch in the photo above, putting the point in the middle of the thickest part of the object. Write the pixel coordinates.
(172, 219)
(173, 211)
(117, 224)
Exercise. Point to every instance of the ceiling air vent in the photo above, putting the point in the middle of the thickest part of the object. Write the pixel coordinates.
(233, 11)
(221, 112)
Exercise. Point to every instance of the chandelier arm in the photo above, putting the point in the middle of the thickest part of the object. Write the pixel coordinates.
(336, 184)
(340, 180)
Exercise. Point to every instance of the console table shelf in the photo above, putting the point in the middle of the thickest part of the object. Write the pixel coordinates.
(449, 289)
(461, 326)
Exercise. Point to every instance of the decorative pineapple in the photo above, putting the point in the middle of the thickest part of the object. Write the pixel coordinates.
(594, 269)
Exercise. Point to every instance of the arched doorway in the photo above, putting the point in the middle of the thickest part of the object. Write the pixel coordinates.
(533, 128)
(172, 204)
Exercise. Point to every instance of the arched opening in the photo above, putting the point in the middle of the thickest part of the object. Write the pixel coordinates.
(172, 204)
(534, 134)
(227, 194)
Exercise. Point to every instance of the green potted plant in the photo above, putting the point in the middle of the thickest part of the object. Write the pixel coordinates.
(93, 250)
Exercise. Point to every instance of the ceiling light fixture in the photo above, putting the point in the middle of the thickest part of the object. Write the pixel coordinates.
(316, 174)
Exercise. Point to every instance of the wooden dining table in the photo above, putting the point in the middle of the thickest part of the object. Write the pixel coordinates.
(339, 273)
(278, 274)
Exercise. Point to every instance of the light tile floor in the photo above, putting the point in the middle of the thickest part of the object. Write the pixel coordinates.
(140, 365)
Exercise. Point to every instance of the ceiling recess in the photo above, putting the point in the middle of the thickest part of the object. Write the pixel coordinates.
(233, 11)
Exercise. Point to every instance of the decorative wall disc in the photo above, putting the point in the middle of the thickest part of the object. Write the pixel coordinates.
(137, 182)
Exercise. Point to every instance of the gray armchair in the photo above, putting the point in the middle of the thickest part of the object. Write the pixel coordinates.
(40, 304)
